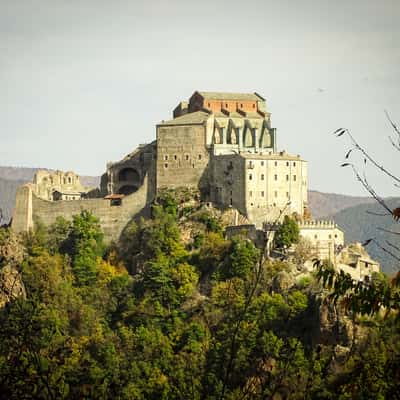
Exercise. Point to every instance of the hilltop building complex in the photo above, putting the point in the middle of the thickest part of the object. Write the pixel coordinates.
(222, 144)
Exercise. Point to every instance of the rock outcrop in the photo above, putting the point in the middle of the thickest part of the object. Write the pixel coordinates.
(11, 256)
(11, 285)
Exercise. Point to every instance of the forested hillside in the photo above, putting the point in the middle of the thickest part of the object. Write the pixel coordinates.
(175, 310)
(360, 224)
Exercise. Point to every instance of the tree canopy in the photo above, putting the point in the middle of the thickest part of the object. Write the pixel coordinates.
(151, 317)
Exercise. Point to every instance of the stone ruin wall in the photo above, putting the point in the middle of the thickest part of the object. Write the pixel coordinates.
(113, 219)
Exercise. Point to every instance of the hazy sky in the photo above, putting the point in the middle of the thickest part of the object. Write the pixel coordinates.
(84, 82)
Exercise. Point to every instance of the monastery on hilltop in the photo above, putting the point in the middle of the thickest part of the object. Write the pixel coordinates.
(220, 143)
(223, 144)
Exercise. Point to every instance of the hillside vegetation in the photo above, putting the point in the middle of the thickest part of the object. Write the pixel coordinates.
(175, 310)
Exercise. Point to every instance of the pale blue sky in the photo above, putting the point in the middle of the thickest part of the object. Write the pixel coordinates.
(84, 82)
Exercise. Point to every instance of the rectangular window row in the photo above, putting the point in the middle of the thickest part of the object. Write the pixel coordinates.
(186, 157)
(262, 177)
(252, 163)
(262, 194)
(287, 163)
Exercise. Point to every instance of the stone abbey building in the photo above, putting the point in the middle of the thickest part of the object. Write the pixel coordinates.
(221, 143)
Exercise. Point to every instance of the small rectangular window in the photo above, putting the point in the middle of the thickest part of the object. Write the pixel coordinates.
(250, 177)
(166, 165)
(115, 202)
(262, 177)
(276, 163)
(186, 157)
(175, 157)
(287, 177)
(287, 194)
(262, 163)
(166, 157)
(276, 177)
(251, 193)
(262, 194)
(199, 156)
(287, 163)
(294, 178)
(294, 163)
(276, 193)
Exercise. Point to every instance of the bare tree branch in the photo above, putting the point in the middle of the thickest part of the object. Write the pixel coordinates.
(394, 126)
(358, 147)
(387, 230)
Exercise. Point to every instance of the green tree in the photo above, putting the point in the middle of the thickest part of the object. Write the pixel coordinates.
(288, 233)
(242, 259)
(86, 241)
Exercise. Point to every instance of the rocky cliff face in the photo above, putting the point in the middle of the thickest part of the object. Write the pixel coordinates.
(329, 325)
(11, 256)
(11, 285)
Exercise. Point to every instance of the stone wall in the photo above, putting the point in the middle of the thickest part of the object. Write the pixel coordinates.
(227, 182)
(113, 219)
(182, 156)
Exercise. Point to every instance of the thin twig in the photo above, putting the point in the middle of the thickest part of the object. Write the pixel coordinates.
(387, 231)
(367, 156)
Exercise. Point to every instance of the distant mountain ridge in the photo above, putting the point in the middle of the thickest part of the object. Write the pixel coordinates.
(26, 174)
(323, 205)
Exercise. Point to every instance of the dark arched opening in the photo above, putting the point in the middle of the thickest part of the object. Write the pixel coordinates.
(128, 175)
(127, 189)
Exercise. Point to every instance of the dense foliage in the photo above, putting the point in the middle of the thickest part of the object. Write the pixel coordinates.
(288, 232)
(153, 318)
